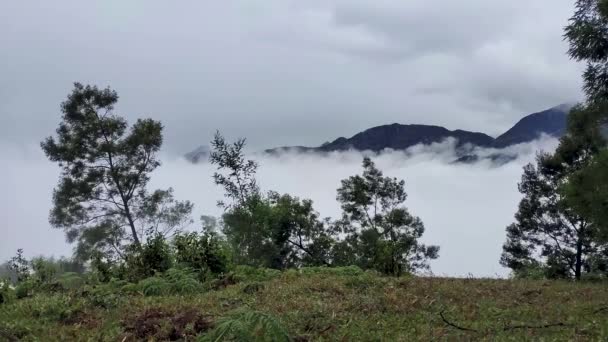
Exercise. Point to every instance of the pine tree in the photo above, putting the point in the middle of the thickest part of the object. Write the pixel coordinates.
(102, 200)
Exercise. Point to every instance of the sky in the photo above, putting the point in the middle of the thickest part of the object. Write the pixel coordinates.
(289, 72)
(286, 72)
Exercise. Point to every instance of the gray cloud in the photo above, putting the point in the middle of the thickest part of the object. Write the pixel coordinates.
(286, 72)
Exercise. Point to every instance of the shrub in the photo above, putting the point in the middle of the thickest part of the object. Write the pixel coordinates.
(25, 289)
(205, 253)
(152, 257)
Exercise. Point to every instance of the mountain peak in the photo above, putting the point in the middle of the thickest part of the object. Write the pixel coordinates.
(551, 122)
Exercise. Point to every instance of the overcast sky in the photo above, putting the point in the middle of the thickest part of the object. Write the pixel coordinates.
(286, 72)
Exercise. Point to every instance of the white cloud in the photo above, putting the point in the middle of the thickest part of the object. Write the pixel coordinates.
(465, 207)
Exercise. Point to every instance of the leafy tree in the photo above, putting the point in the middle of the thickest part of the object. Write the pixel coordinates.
(381, 233)
(102, 201)
(586, 34)
(267, 230)
(588, 40)
(239, 180)
(547, 231)
(587, 193)
(206, 253)
(558, 225)
(19, 266)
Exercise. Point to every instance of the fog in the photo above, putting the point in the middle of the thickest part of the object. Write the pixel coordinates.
(465, 207)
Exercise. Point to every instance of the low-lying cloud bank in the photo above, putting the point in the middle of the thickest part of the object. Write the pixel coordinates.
(465, 207)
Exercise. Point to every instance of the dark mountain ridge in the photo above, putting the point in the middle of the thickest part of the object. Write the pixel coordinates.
(396, 136)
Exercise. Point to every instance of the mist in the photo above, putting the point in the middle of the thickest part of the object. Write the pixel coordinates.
(465, 207)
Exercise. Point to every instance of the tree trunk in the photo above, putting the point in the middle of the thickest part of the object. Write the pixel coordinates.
(579, 258)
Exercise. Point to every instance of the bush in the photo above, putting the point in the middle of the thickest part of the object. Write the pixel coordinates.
(152, 257)
(6, 291)
(25, 289)
(205, 253)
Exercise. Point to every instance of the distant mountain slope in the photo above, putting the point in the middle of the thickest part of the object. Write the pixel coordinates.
(199, 154)
(401, 137)
(551, 122)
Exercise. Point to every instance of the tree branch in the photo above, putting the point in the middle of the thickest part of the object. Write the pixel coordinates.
(454, 325)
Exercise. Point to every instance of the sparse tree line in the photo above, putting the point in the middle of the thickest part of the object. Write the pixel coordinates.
(123, 230)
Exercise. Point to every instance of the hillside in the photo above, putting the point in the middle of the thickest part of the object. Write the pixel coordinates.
(342, 304)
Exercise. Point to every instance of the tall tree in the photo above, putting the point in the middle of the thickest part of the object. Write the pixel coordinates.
(380, 232)
(102, 200)
(587, 33)
(550, 232)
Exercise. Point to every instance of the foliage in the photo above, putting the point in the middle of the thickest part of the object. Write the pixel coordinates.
(206, 253)
(586, 33)
(249, 326)
(380, 232)
(176, 281)
(154, 256)
(102, 201)
(587, 193)
(249, 273)
(19, 266)
(235, 174)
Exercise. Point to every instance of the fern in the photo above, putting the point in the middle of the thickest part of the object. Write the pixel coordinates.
(248, 326)
(175, 281)
(154, 286)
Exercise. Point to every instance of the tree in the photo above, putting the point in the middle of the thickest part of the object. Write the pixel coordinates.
(587, 193)
(549, 231)
(381, 233)
(102, 201)
(588, 38)
(269, 230)
(586, 34)
(557, 225)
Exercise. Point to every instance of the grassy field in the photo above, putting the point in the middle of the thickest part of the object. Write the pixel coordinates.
(319, 304)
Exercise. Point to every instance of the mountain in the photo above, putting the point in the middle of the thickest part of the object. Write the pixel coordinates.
(551, 122)
(401, 137)
(199, 154)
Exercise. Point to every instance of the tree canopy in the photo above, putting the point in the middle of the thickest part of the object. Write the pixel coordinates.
(102, 201)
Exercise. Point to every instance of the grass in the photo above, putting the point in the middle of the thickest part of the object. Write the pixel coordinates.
(325, 305)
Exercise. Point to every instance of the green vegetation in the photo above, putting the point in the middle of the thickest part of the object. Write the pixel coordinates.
(309, 304)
